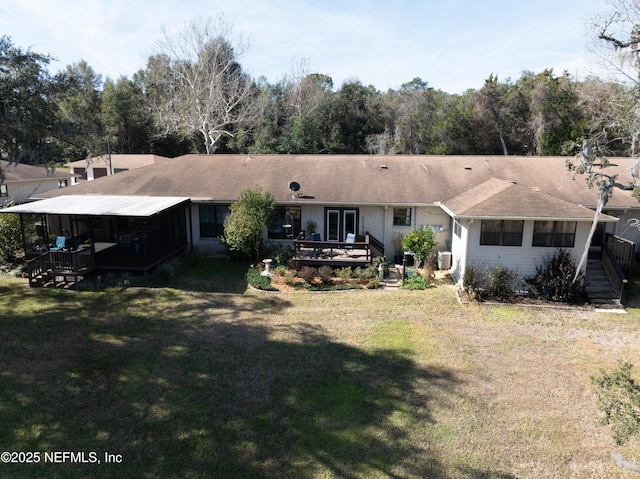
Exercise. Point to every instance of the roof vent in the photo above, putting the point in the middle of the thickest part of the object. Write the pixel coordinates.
(468, 168)
(384, 167)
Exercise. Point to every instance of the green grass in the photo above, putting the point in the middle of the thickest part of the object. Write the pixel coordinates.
(189, 383)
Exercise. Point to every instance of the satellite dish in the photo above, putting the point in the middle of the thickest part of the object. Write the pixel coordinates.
(294, 186)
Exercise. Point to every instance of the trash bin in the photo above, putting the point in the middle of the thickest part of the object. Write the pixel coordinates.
(444, 259)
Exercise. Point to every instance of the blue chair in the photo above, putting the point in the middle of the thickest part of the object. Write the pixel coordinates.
(316, 250)
(60, 243)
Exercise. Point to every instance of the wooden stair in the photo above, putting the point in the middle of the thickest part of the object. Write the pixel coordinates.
(598, 287)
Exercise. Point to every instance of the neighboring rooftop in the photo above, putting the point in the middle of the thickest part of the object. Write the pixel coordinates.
(14, 172)
(119, 161)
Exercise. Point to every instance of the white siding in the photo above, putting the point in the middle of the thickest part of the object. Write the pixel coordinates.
(521, 259)
(420, 216)
(459, 252)
(19, 191)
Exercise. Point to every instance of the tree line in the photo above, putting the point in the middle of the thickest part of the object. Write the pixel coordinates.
(193, 96)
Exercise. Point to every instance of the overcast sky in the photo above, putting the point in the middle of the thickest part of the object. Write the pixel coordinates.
(453, 45)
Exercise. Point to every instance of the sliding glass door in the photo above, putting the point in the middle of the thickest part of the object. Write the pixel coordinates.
(340, 222)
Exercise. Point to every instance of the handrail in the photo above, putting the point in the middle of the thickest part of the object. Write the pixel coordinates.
(332, 245)
(613, 270)
(622, 250)
(376, 243)
(76, 261)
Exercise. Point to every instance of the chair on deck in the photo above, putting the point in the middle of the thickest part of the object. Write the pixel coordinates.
(60, 243)
(316, 250)
(351, 238)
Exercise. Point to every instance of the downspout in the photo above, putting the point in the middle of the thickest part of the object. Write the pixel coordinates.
(190, 227)
(24, 241)
(386, 225)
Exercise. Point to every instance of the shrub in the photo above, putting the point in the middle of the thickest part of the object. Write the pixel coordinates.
(284, 257)
(166, 272)
(619, 400)
(500, 284)
(325, 273)
(422, 242)
(415, 281)
(307, 273)
(344, 273)
(365, 274)
(471, 280)
(554, 279)
(10, 237)
(258, 281)
(373, 284)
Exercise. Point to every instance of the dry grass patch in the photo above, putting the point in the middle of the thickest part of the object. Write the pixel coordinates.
(358, 384)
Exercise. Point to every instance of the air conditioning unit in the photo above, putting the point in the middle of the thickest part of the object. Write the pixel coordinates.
(444, 259)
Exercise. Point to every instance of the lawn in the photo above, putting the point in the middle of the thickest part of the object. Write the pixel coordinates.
(214, 380)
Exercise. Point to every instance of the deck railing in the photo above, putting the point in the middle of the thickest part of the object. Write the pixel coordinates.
(376, 244)
(78, 261)
(622, 250)
(327, 250)
(612, 267)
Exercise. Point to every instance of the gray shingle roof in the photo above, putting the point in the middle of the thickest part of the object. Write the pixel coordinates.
(14, 172)
(503, 199)
(352, 179)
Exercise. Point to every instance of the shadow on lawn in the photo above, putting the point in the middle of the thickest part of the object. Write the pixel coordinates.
(184, 388)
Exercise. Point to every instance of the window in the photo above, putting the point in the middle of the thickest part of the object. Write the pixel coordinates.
(501, 232)
(402, 216)
(4, 191)
(457, 229)
(286, 224)
(63, 183)
(554, 234)
(212, 220)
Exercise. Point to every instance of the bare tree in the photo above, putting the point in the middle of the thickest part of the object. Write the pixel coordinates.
(616, 38)
(305, 91)
(196, 84)
(593, 165)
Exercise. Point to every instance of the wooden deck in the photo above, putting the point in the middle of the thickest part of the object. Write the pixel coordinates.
(332, 253)
(61, 268)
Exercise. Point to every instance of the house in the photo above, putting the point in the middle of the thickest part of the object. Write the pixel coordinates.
(511, 211)
(105, 165)
(19, 181)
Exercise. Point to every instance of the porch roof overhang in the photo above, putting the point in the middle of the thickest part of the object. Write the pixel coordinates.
(140, 206)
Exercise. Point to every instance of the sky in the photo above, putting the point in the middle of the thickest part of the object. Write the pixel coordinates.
(453, 45)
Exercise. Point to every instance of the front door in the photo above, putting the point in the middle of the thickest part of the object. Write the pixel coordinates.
(340, 222)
